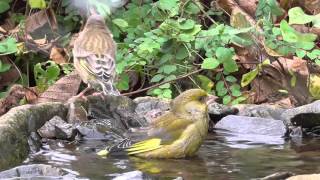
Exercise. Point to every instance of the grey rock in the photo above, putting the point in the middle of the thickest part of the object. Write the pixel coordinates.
(306, 116)
(133, 175)
(263, 111)
(252, 125)
(151, 107)
(57, 128)
(18, 124)
(36, 171)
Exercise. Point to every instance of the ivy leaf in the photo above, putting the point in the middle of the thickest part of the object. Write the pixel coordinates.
(123, 84)
(248, 77)
(226, 99)
(205, 83)
(4, 67)
(8, 46)
(167, 93)
(297, 16)
(120, 22)
(182, 53)
(185, 37)
(210, 63)
(235, 90)
(4, 6)
(41, 4)
(169, 5)
(238, 100)
(157, 78)
(301, 53)
(221, 90)
(167, 69)
(231, 79)
(186, 24)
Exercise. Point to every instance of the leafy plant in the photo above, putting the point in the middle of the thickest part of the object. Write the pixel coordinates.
(8, 46)
(4, 5)
(46, 74)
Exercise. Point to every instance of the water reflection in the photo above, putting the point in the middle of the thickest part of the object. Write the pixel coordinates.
(223, 156)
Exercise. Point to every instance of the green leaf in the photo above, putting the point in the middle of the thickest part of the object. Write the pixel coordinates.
(186, 24)
(157, 78)
(4, 6)
(297, 16)
(301, 53)
(314, 54)
(120, 22)
(182, 53)
(170, 77)
(4, 67)
(210, 63)
(167, 93)
(123, 84)
(165, 86)
(231, 79)
(225, 56)
(248, 77)
(226, 99)
(169, 5)
(304, 41)
(235, 90)
(186, 37)
(8, 46)
(205, 83)
(41, 4)
(221, 90)
(167, 69)
(238, 100)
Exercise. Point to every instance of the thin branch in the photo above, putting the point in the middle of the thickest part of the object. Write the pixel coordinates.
(159, 84)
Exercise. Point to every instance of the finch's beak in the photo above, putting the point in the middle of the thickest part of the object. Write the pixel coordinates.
(211, 99)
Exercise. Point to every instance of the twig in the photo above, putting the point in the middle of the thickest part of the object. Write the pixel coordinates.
(159, 84)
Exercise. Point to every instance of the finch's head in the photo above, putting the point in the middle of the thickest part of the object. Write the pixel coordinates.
(196, 96)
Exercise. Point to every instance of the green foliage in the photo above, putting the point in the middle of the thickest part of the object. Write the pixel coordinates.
(8, 46)
(4, 5)
(297, 16)
(46, 74)
(160, 41)
(4, 67)
(268, 8)
(250, 76)
(41, 4)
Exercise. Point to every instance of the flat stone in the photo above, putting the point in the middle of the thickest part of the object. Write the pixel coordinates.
(252, 125)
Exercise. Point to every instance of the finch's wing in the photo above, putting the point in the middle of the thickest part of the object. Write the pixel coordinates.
(164, 133)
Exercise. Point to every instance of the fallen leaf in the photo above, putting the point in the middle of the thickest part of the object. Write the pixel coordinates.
(39, 19)
(56, 55)
(62, 90)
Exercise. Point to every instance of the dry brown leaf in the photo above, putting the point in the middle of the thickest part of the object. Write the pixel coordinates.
(56, 55)
(15, 95)
(62, 90)
(3, 30)
(39, 19)
(41, 42)
(249, 6)
(277, 77)
(313, 6)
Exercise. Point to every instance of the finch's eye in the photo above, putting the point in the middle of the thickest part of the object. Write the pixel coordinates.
(202, 99)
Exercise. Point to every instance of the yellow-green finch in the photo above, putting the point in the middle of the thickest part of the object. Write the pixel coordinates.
(94, 55)
(177, 134)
